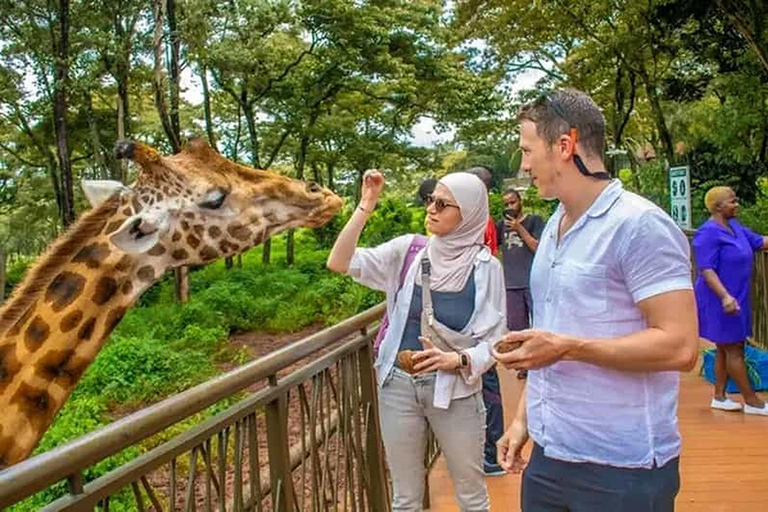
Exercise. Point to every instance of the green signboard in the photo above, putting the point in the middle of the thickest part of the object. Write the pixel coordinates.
(680, 196)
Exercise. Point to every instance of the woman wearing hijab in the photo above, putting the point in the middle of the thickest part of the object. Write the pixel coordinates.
(724, 251)
(437, 387)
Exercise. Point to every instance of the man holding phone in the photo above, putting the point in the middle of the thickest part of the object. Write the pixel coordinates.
(518, 238)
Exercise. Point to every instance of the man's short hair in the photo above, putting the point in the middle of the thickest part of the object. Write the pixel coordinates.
(513, 191)
(556, 112)
(484, 173)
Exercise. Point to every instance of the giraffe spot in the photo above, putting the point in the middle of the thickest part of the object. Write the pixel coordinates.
(214, 232)
(189, 215)
(123, 264)
(185, 225)
(106, 288)
(16, 329)
(198, 229)
(61, 366)
(270, 217)
(114, 226)
(35, 404)
(166, 190)
(146, 273)
(128, 212)
(113, 318)
(92, 255)
(193, 241)
(9, 365)
(208, 253)
(6, 445)
(37, 332)
(157, 250)
(31, 400)
(180, 254)
(227, 247)
(127, 287)
(239, 232)
(71, 320)
(64, 289)
(86, 330)
(145, 199)
(136, 204)
(176, 236)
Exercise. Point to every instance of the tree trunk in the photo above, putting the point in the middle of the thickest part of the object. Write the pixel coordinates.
(207, 107)
(253, 135)
(661, 122)
(162, 109)
(98, 156)
(60, 115)
(174, 67)
(181, 281)
(2, 275)
(300, 161)
(122, 73)
(331, 167)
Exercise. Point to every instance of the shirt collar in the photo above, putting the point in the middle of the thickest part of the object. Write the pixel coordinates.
(606, 199)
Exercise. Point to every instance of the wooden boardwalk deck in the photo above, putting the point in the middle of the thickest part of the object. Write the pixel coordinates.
(724, 465)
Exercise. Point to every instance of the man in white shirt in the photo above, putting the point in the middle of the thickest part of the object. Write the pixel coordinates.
(614, 321)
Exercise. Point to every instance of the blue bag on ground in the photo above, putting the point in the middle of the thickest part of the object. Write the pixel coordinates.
(756, 360)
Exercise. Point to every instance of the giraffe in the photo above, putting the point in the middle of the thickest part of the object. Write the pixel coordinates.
(187, 209)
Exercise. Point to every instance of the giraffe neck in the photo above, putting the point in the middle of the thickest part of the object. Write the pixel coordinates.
(46, 350)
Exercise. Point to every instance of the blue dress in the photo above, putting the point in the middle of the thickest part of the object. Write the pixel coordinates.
(731, 256)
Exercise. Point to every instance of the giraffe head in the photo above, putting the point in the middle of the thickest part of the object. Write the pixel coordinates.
(197, 206)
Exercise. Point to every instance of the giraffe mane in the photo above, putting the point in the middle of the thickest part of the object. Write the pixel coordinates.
(40, 275)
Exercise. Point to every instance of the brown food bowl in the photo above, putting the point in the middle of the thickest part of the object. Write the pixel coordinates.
(405, 360)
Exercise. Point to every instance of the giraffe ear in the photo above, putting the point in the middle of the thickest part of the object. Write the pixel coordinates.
(137, 235)
(98, 191)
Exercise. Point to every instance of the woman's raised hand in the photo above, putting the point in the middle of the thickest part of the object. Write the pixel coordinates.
(373, 184)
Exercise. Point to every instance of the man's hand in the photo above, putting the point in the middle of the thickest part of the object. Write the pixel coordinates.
(731, 305)
(509, 449)
(432, 358)
(537, 349)
(373, 184)
(513, 224)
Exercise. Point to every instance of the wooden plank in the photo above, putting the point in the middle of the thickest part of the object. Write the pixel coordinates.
(724, 465)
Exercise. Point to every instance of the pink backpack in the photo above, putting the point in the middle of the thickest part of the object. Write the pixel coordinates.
(417, 244)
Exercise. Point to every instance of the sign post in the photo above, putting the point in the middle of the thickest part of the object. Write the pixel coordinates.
(680, 195)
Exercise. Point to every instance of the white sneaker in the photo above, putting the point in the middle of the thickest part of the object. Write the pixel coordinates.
(762, 411)
(726, 405)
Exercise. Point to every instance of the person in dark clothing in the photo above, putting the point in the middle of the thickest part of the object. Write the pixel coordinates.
(518, 238)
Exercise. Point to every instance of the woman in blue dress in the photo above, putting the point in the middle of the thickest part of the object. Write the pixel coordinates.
(724, 251)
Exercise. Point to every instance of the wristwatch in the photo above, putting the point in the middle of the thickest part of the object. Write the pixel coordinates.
(463, 360)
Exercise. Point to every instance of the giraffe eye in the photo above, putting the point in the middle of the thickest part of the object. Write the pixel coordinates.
(313, 187)
(213, 199)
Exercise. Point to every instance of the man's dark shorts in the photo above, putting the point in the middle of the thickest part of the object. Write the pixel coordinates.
(551, 485)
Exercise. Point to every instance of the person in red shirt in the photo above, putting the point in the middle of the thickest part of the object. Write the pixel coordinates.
(494, 418)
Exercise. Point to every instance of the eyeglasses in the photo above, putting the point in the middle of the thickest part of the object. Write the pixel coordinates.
(547, 99)
(440, 203)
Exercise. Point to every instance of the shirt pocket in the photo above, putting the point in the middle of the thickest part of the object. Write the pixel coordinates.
(583, 288)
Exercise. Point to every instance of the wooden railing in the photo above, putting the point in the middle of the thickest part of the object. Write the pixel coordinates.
(306, 437)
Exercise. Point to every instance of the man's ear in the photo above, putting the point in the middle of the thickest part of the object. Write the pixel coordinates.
(137, 235)
(98, 191)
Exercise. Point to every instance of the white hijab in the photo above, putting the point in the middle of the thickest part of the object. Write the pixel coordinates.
(452, 256)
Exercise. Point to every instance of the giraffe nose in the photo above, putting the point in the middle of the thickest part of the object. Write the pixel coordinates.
(124, 148)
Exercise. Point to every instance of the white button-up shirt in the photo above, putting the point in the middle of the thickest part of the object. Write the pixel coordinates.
(379, 268)
(623, 250)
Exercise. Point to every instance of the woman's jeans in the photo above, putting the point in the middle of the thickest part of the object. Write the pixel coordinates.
(405, 409)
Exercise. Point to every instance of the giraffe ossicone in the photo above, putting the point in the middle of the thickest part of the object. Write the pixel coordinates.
(190, 208)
